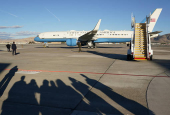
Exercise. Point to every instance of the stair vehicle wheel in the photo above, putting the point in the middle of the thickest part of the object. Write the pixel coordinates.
(128, 57)
(151, 57)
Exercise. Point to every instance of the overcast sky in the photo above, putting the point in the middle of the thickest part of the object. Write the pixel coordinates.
(26, 18)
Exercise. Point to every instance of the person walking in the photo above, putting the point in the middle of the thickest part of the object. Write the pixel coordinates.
(14, 47)
(8, 47)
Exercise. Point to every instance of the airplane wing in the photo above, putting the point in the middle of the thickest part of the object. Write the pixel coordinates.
(88, 36)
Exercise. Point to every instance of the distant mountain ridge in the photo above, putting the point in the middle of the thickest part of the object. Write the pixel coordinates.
(162, 39)
(24, 40)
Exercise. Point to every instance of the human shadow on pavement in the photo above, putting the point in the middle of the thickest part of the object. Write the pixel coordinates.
(21, 99)
(92, 102)
(5, 81)
(58, 95)
(128, 104)
(57, 98)
(3, 66)
(17, 53)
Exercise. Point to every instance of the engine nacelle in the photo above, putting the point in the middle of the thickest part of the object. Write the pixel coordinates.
(71, 42)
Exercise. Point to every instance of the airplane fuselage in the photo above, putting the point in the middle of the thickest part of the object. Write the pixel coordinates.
(100, 36)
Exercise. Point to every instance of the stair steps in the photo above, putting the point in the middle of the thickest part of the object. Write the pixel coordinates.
(140, 50)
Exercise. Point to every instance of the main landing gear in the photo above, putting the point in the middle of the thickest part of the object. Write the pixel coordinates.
(45, 45)
(91, 45)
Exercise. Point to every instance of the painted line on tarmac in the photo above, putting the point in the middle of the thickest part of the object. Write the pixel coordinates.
(27, 72)
(38, 71)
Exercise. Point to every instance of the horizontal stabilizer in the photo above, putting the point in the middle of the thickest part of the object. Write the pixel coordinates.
(156, 32)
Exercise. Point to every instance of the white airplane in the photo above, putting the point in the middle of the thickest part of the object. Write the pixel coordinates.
(94, 36)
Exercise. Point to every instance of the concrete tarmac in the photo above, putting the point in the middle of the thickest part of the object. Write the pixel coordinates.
(59, 80)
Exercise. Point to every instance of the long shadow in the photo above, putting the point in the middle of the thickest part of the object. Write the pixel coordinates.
(108, 47)
(112, 56)
(55, 98)
(128, 104)
(67, 47)
(3, 66)
(60, 47)
(93, 103)
(56, 94)
(5, 81)
(77, 47)
(21, 99)
(163, 63)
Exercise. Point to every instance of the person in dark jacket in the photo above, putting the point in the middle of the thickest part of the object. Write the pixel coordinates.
(14, 47)
(8, 47)
(79, 45)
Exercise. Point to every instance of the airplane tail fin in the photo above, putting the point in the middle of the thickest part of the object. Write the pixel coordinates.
(97, 25)
(153, 19)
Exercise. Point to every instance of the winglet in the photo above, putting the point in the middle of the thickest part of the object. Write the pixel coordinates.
(97, 26)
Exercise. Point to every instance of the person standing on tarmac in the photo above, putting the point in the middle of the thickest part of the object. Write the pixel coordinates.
(8, 47)
(79, 45)
(14, 47)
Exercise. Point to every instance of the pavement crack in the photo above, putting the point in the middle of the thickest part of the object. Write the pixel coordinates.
(147, 91)
(93, 86)
(166, 74)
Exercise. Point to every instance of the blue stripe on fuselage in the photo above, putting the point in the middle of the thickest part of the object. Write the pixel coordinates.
(115, 40)
(99, 40)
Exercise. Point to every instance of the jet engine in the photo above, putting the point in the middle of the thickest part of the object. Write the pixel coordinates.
(71, 42)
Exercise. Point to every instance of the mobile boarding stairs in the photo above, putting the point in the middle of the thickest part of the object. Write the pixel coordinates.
(140, 44)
